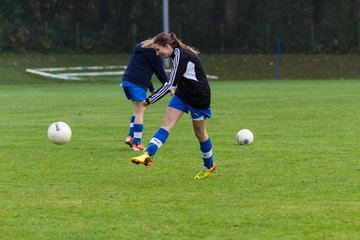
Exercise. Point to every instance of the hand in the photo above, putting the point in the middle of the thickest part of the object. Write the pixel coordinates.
(172, 92)
(144, 103)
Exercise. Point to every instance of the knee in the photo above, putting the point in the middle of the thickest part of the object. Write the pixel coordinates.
(167, 125)
(201, 135)
(139, 109)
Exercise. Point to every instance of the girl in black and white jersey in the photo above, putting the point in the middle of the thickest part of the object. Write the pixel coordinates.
(192, 95)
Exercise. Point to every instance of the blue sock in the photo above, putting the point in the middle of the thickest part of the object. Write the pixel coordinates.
(131, 130)
(138, 129)
(206, 150)
(157, 141)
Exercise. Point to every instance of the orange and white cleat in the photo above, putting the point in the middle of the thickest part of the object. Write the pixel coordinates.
(129, 141)
(135, 147)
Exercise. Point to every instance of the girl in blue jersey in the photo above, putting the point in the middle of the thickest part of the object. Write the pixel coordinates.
(136, 80)
(192, 95)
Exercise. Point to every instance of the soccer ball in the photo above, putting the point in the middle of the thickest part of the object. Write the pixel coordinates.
(244, 136)
(59, 133)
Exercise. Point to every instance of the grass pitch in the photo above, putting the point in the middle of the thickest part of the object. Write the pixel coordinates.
(298, 180)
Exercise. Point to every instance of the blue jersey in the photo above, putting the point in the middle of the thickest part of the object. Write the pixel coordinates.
(142, 65)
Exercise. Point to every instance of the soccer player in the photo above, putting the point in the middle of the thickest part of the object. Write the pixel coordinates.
(192, 95)
(136, 80)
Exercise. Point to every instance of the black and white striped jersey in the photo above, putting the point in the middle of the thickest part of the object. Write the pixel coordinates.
(189, 79)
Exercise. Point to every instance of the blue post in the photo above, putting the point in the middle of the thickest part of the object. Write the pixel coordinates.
(278, 58)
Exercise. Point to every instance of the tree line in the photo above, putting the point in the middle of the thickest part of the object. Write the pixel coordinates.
(212, 26)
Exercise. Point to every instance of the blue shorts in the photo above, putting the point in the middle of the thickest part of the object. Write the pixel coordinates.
(196, 114)
(133, 91)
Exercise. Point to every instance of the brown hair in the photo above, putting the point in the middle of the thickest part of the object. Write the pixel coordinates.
(170, 38)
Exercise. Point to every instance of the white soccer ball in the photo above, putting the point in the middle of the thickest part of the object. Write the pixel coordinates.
(59, 133)
(244, 136)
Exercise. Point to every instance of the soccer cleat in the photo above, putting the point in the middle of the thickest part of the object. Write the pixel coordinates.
(145, 159)
(129, 141)
(135, 147)
(205, 172)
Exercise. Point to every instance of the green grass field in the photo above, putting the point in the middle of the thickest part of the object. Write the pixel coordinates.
(298, 180)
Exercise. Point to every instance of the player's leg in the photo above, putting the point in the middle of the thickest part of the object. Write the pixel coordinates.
(136, 94)
(129, 138)
(138, 124)
(128, 94)
(204, 141)
(172, 116)
(199, 125)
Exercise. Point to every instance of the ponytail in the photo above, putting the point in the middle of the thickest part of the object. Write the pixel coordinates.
(170, 38)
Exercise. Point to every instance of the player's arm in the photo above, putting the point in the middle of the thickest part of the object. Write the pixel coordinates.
(156, 65)
(151, 87)
(176, 73)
